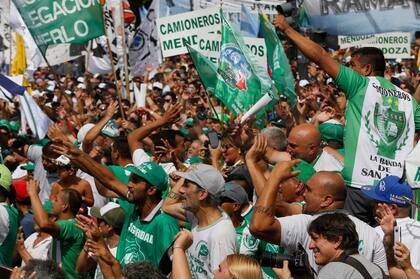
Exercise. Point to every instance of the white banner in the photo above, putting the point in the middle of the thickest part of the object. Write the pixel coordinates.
(266, 6)
(5, 39)
(343, 17)
(394, 45)
(200, 30)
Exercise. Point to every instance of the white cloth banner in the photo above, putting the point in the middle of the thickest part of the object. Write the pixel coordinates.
(144, 48)
(343, 17)
(394, 45)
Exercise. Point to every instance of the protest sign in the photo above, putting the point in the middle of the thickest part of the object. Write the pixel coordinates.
(200, 30)
(344, 17)
(394, 45)
(57, 22)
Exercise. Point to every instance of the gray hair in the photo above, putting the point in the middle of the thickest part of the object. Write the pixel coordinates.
(275, 138)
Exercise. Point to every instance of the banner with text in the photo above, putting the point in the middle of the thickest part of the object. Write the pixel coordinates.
(343, 17)
(394, 45)
(201, 30)
(61, 21)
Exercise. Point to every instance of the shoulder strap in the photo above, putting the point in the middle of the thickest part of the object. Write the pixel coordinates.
(356, 265)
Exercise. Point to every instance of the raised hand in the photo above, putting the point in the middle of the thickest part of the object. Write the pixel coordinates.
(402, 255)
(280, 22)
(88, 226)
(32, 187)
(55, 133)
(66, 148)
(183, 240)
(172, 114)
(283, 171)
(111, 109)
(258, 149)
(385, 218)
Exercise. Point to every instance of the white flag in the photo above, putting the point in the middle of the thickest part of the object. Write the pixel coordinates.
(5, 43)
(36, 119)
(145, 47)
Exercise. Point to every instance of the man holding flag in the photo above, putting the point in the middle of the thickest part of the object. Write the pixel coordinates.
(381, 118)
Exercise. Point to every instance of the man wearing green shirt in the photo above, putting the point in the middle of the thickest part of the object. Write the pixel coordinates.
(8, 219)
(147, 232)
(68, 240)
(381, 119)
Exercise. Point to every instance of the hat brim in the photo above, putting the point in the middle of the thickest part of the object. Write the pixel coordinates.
(96, 212)
(188, 176)
(369, 192)
(134, 170)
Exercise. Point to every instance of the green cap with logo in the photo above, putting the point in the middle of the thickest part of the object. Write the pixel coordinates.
(331, 132)
(5, 177)
(306, 171)
(154, 174)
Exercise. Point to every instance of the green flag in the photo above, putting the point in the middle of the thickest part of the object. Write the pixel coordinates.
(242, 82)
(205, 68)
(57, 21)
(278, 64)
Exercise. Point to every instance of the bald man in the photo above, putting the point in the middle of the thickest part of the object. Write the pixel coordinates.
(304, 142)
(324, 192)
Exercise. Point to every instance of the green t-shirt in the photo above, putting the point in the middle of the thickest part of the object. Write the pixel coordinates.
(380, 123)
(8, 245)
(148, 241)
(67, 247)
(248, 215)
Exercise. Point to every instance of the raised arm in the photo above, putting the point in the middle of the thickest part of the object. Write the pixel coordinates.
(90, 166)
(253, 156)
(40, 215)
(309, 48)
(96, 130)
(263, 223)
(170, 116)
(172, 205)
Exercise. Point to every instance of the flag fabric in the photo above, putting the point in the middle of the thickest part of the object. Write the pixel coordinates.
(5, 42)
(144, 48)
(19, 62)
(242, 82)
(58, 22)
(98, 59)
(36, 119)
(206, 69)
(278, 64)
(11, 86)
(249, 22)
(34, 58)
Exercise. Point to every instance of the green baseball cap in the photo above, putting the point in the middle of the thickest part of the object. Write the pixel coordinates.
(112, 213)
(5, 124)
(306, 171)
(332, 133)
(14, 126)
(29, 166)
(5, 177)
(152, 173)
(189, 122)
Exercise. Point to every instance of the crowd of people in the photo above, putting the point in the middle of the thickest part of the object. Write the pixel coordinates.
(179, 188)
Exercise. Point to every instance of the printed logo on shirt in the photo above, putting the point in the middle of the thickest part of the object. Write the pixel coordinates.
(203, 251)
(250, 242)
(133, 252)
(140, 234)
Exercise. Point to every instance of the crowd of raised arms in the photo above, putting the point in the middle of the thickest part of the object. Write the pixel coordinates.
(180, 189)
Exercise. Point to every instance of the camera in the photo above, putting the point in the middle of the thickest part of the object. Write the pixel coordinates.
(298, 261)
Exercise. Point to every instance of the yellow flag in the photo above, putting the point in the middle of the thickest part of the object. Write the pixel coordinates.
(418, 59)
(19, 62)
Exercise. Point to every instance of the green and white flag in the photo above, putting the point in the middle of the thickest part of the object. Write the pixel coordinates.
(380, 128)
(57, 22)
(278, 64)
(243, 82)
(205, 68)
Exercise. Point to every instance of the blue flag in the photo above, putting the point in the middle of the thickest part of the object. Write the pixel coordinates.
(11, 86)
(249, 22)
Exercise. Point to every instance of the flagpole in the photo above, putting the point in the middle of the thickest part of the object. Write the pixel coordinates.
(222, 112)
(118, 87)
(11, 40)
(127, 85)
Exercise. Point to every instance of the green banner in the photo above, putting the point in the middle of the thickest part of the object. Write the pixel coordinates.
(278, 64)
(61, 21)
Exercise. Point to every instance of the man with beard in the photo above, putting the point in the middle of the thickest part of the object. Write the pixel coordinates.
(195, 199)
(147, 232)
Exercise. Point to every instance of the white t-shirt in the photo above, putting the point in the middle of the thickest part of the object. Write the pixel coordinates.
(98, 199)
(42, 250)
(327, 162)
(4, 224)
(410, 237)
(294, 231)
(210, 246)
(140, 157)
